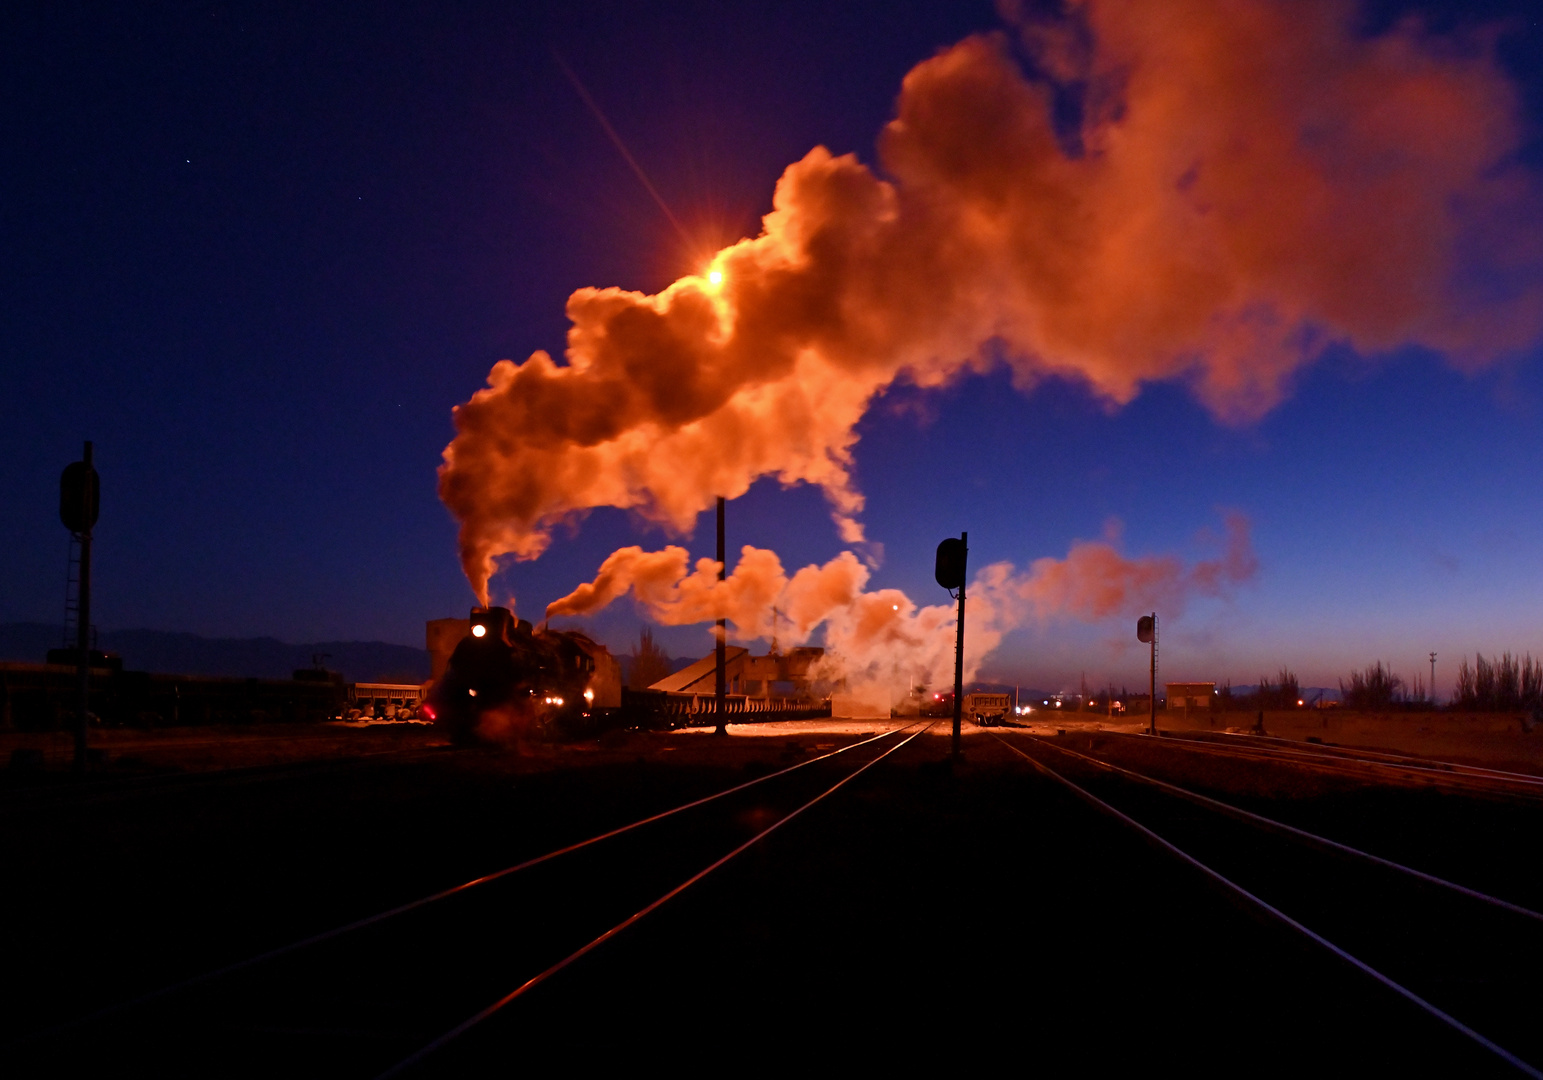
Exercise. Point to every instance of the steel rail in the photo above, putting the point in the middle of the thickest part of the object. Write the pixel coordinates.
(1286, 748)
(1299, 834)
(1275, 913)
(1358, 770)
(1355, 767)
(412, 905)
(536, 980)
(1346, 766)
(1356, 753)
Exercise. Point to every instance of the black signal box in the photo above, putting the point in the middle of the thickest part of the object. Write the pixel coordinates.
(80, 496)
(949, 570)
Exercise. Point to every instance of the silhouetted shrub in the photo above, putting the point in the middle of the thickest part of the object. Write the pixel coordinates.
(1282, 692)
(1375, 688)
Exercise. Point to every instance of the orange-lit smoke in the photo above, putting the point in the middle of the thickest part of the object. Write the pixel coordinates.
(1253, 182)
(881, 638)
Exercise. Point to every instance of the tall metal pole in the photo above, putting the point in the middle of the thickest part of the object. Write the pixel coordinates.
(1152, 729)
(722, 647)
(959, 646)
(83, 635)
(1433, 679)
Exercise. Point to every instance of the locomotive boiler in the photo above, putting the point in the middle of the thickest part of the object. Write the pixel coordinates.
(506, 681)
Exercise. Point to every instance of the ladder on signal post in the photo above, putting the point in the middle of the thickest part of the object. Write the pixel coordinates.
(72, 598)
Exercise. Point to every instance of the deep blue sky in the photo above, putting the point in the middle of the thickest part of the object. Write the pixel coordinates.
(258, 252)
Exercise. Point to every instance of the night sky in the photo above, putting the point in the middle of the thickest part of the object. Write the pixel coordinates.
(257, 253)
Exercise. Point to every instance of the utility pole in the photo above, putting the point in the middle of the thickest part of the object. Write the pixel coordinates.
(1433, 679)
(722, 646)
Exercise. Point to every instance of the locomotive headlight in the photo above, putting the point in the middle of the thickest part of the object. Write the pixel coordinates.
(557, 701)
(589, 696)
(479, 631)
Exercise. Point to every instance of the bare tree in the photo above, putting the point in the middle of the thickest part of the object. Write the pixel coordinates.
(649, 663)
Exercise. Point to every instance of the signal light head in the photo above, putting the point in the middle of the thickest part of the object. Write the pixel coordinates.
(949, 568)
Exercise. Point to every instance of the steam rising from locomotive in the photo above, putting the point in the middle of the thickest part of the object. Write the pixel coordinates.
(880, 639)
(1250, 184)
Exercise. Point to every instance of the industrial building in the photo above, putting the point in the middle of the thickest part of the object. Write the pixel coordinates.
(1191, 695)
(776, 675)
(42, 697)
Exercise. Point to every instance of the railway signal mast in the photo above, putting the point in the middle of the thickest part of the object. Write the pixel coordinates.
(80, 503)
(1146, 630)
(949, 572)
(720, 651)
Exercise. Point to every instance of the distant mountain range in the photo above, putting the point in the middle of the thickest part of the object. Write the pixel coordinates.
(1306, 693)
(262, 658)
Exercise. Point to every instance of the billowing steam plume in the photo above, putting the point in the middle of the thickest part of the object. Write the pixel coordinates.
(881, 639)
(1252, 182)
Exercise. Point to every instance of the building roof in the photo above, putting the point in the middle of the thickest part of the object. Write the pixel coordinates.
(704, 671)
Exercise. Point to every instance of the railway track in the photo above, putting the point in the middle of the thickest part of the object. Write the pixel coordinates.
(1461, 956)
(814, 903)
(1417, 765)
(1382, 768)
(385, 992)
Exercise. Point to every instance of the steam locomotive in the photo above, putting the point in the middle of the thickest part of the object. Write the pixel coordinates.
(507, 681)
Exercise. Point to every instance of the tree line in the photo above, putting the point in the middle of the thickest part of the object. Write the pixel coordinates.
(1498, 685)
(1281, 692)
